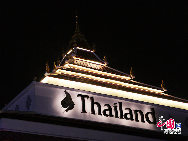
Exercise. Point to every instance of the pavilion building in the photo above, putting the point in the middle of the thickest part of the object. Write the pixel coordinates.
(83, 98)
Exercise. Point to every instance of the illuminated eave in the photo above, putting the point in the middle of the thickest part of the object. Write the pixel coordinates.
(114, 92)
(84, 49)
(59, 71)
(69, 51)
(96, 71)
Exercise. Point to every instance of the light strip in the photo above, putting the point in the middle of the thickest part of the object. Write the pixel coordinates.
(107, 80)
(84, 49)
(97, 71)
(114, 92)
(69, 51)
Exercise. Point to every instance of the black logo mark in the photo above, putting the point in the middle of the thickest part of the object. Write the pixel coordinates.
(67, 102)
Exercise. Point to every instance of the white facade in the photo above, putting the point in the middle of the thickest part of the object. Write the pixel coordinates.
(45, 99)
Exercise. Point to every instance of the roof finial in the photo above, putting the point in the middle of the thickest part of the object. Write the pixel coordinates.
(47, 68)
(163, 87)
(77, 29)
(131, 73)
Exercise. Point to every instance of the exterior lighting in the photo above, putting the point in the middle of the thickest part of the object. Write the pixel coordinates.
(114, 92)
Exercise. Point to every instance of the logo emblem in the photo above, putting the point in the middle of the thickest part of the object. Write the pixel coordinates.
(171, 126)
(67, 102)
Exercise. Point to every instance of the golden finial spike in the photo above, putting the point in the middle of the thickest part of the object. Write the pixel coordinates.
(105, 60)
(47, 68)
(54, 65)
(162, 86)
(131, 73)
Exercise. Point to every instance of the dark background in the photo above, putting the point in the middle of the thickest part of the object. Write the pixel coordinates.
(147, 35)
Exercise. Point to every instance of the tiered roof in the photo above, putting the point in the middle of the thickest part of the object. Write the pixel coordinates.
(82, 65)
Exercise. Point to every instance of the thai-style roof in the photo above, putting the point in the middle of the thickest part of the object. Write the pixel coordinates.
(82, 64)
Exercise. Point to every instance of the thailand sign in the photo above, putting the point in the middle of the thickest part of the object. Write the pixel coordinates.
(71, 103)
(114, 110)
(59, 101)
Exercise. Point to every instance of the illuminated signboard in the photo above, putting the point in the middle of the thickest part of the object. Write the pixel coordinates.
(115, 110)
(58, 101)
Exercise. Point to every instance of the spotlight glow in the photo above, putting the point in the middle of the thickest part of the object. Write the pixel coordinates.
(114, 92)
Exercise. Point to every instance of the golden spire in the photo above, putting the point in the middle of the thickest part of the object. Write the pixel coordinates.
(162, 86)
(47, 68)
(78, 39)
(131, 73)
(54, 65)
(105, 60)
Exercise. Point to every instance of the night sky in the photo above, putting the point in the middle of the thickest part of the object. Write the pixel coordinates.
(147, 35)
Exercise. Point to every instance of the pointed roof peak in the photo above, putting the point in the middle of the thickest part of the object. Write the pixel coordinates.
(78, 39)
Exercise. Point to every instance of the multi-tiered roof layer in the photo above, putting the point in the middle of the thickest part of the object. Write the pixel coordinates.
(82, 69)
